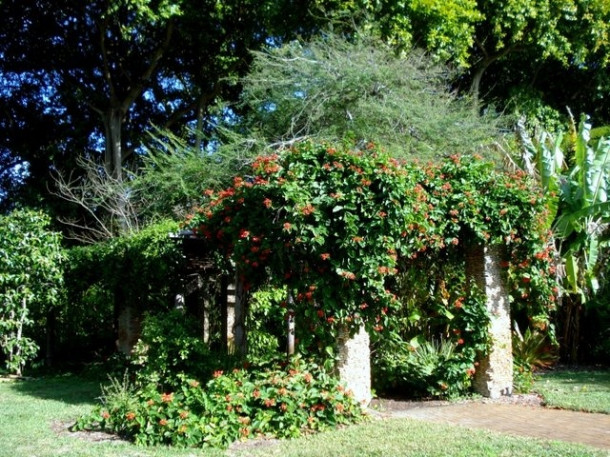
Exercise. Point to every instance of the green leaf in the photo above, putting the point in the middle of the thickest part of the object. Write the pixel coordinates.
(572, 273)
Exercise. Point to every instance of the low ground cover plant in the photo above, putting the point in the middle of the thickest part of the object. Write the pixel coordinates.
(34, 415)
(282, 400)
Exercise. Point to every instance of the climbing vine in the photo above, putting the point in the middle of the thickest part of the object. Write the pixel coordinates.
(336, 226)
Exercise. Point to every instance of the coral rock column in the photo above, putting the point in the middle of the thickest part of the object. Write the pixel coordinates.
(354, 366)
(494, 375)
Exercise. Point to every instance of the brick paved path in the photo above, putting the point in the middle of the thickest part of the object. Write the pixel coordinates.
(514, 419)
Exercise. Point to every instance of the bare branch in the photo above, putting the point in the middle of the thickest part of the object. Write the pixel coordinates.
(110, 204)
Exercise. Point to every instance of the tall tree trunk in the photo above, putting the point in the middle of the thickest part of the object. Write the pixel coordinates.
(113, 158)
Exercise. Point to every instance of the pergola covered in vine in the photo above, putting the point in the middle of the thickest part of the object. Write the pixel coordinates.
(337, 227)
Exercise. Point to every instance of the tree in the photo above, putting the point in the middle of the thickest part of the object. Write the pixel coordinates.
(574, 170)
(514, 43)
(30, 281)
(331, 88)
(82, 79)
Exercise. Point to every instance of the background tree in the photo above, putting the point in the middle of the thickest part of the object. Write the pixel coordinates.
(88, 78)
(555, 50)
(325, 89)
(331, 88)
(30, 282)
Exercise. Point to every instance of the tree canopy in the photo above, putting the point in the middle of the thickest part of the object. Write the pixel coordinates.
(542, 46)
(330, 88)
(89, 78)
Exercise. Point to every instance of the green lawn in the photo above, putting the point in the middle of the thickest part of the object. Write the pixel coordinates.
(577, 390)
(34, 415)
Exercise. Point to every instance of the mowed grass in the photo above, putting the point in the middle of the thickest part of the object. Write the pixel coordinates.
(578, 390)
(35, 414)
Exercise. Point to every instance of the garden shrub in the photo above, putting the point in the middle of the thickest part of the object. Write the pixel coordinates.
(532, 350)
(140, 270)
(171, 349)
(31, 280)
(283, 401)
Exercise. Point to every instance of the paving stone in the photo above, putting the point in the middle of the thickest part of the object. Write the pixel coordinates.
(513, 419)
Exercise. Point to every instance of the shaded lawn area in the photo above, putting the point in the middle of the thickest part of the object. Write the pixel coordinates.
(578, 390)
(34, 416)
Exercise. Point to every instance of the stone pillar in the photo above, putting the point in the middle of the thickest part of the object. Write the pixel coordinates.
(354, 366)
(494, 375)
(236, 317)
(128, 329)
(229, 318)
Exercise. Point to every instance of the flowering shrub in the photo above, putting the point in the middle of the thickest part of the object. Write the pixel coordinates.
(475, 203)
(329, 224)
(332, 224)
(281, 401)
(341, 228)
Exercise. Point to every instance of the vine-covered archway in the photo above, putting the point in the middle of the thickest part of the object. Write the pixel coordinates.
(337, 227)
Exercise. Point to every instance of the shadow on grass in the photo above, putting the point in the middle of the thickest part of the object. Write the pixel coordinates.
(69, 389)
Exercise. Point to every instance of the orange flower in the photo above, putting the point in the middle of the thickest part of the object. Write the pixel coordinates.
(130, 416)
(348, 275)
(325, 256)
(106, 415)
(307, 209)
(217, 373)
(167, 398)
(163, 422)
(287, 226)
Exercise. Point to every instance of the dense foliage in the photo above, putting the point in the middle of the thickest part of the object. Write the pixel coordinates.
(543, 55)
(141, 270)
(573, 169)
(31, 279)
(281, 401)
(340, 228)
(171, 348)
(329, 88)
